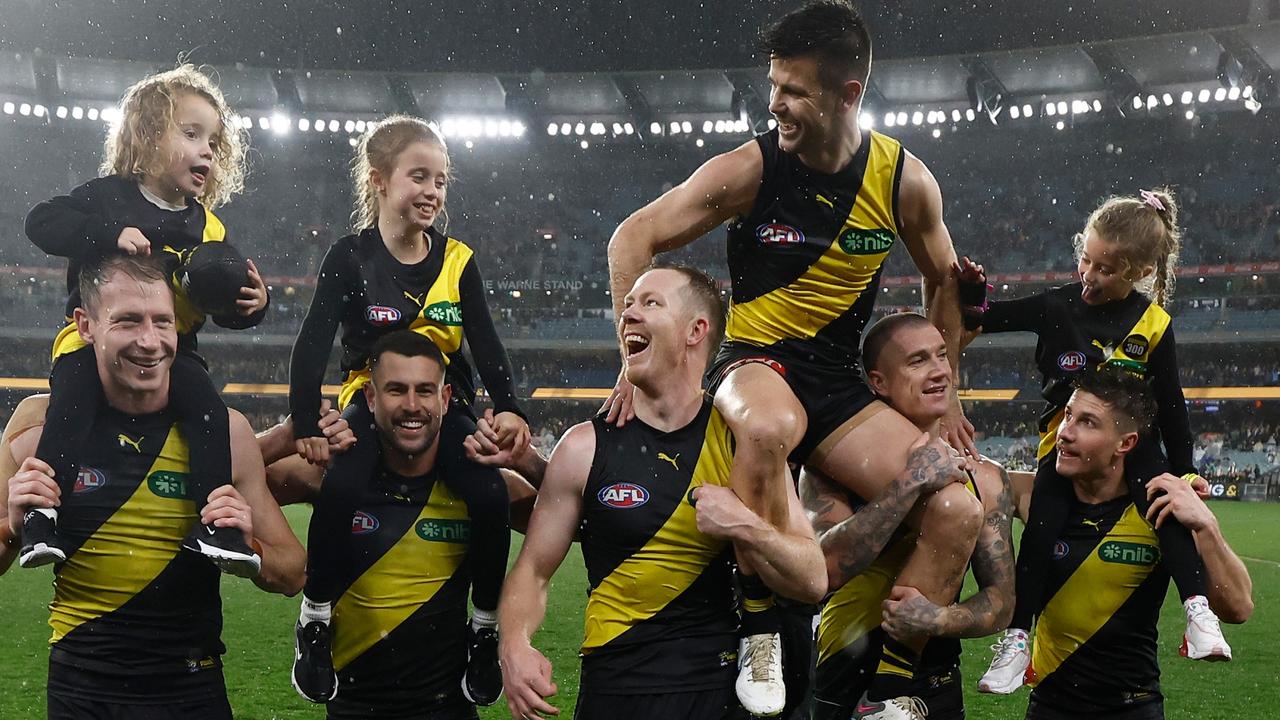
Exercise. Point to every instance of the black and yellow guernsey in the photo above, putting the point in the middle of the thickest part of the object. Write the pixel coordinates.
(660, 616)
(806, 261)
(849, 636)
(86, 223)
(1095, 642)
(1135, 334)
(399, 642)
(367, 291)
(128, 600)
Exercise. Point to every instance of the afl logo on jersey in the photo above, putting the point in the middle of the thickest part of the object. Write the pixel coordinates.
(1071, 361)
(89, 480)
(778, 234)
(381, 315)
(362, 523)
(623, 496)
(1060, 550)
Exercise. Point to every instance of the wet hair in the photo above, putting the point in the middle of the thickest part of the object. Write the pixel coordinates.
(1145, 235)
(378, 149)
(406, 343)
(830, 31)
(133, 147)
(879, 334)
(1125, 393)
(704, 296)
(96, 273)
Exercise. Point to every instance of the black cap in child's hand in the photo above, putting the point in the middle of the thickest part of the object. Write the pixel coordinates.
(212, 277)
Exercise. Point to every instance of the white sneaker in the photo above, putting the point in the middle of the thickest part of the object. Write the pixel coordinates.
(1009, 666)
(902, 708)
(1203, 639)
(759, 686)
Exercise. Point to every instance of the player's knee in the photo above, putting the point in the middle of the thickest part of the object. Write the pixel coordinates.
(772, 434)
(954, 509)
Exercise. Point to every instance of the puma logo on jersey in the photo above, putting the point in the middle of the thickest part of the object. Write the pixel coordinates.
(668, 458)
(1092, 523)
(1106, 350)
(126, 440)
(824, 201)
(417, 299)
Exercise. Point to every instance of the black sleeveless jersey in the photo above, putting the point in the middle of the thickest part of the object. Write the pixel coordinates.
(128, 600)
(399, 638)
(806, 261)
(660, 616)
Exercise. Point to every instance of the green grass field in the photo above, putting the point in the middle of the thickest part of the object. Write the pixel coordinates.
(259, 639)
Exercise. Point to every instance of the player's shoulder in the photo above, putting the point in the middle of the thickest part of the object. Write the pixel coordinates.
(28, 415)
(992, 480)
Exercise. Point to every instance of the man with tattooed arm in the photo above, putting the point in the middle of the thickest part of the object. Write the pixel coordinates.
(865, 543)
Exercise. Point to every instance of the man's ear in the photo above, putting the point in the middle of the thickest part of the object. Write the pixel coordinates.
(446, 394)
(851, 94)
(369, 394)
(1128, 442)
(82, 325)
(878, 383)
(699, 329)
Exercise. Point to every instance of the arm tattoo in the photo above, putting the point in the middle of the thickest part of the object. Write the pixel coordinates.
(993, 568)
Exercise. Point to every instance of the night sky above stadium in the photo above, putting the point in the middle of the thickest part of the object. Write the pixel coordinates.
(552, 35)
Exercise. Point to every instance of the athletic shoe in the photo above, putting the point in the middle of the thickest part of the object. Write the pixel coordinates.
(1009, 666)
(1203, 639)
(759, 686)
(225, 546)
(482, 682)
(902, 708)
(313, 676)
(40, 539)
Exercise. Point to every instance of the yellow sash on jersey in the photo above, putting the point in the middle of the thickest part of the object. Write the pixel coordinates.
(404, 579)
(439, 317)
(1114, 569)
(1132, 353)
(676, 556)
(128, 551)
(835, 281)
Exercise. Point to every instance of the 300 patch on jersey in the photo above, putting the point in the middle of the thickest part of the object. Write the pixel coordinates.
(623, 496)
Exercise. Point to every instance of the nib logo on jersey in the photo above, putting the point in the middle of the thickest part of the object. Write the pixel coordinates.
(362, 523)
(167, 484)
(443, 312)
(448, 531)
(88, 480)
(623, 496)
(1128, 553)
(381, 315)
(859, 241)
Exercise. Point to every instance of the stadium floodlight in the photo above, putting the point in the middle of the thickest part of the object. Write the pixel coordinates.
(584, 145)
(1152, 102)
(1168, 99)
(349, 126)
(686, 126)
(264, 123)
(517, 128)
(699, 142)
(1234, 93)
(92, 114)
(110, 114)
(61, 112)
(1220, 94)
(580, 129)
(491, 128)
(655, 128)
(470, 144)
(1097, 105)
(553, 129)
(1015, 112)
(1191, 114)
(707, 126)
(867, 120)
(597, 128)
(24, 109)
(565, 128)
(1028, 111)
(77, 112)
(1060, 125)
(772, 123)
(889, 120)
(280, 124)
(970, 115)
(937, 133)
(674, 127)
(1204, 95)
(334, 125)
(1186, 97)
(303, 124)
(1050, 109)
(628, 128)
(617, 128)
(917, 118)
(361, 125)
(1062, 107)
(955, 115)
